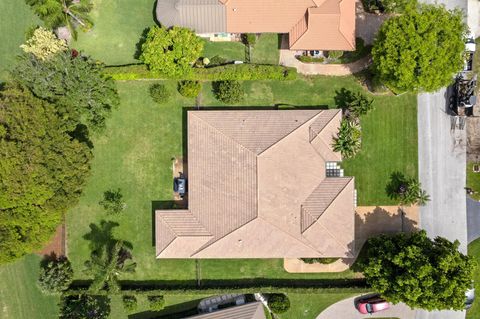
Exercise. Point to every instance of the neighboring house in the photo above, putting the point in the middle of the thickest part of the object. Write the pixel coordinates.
(310, 24)
(261, 184)
(253, 310)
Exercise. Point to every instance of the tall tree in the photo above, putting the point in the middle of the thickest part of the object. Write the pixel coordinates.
(76, 85)
(171, 51)
(69, 13)
(106, 264)
(423, 273)
(420, 50)
(42, 171)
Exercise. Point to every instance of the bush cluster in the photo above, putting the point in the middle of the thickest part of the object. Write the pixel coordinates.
(159, 93)
(278, 303)
(334, 54)
(229, 92)
(56, 275)
(129, 303)
(242, 72)
(157, 303)
(189, 89)
(324, 261)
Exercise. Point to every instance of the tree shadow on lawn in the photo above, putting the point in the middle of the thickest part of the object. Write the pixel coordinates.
(101, 236)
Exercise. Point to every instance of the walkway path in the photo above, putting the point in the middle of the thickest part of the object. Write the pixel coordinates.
(345, 309)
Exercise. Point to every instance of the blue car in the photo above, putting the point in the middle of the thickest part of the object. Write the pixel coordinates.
(180, 186)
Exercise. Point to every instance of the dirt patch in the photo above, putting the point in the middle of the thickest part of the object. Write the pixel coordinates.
(58, 243)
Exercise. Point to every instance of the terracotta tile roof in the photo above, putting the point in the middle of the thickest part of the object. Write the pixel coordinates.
(253, 310)
(322, 132)
(330, 26)
(255, 184)
(311, 24)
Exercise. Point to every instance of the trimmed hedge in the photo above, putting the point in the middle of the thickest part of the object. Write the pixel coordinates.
(154, 291)
(242, 72)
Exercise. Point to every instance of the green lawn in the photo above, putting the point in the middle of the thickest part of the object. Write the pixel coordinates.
(135, 154)
(15, 19)
(232, 51)
(474, 250)
(308, 306)
(473, 181)
(118, 28)
(19, 296)
(266, 50)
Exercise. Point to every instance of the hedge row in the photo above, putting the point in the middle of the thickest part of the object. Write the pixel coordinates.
(242, 72)
(151, 291)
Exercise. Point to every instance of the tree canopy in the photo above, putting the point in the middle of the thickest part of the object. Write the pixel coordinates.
(420, 50)
(76, 85)
(58, 13)
(42, 171)
(171, 51)
(421, 272)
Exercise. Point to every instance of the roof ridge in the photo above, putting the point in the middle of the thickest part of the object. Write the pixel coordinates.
(215, 239)
(288, 234)
(223, 134)
(331, 202)
(326, 124)
(333, 237)
(289, 133)
(305, 16)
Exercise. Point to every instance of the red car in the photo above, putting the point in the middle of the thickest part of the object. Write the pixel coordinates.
(371, 304)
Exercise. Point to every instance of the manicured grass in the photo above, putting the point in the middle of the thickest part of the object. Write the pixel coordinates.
(118, 27)
(266, 50)
(19, 296)
(474, 251)
(232, 51)
(389, 143)
(308, 306)
(135, 154)
(473, 181)
(15, 19)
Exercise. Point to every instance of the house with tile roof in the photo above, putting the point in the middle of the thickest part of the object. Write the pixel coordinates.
(253, 310)
(261, 184)
(310, 24)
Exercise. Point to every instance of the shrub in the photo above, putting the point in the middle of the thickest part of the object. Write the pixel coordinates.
(157, 303)
(334, 55)
(278, 303)
(406, 190)
(324, 261)
(171, 51)
(228, 91)
(388, 6)
(159, 93)
(112, 202)
(84, 307)
(56, 275)
(348, 140)
(43, 44)
(129, 303)
(217, 60)
(241, 72)
(249, 39)
(189, 88)
(355, 104)
(310, 59)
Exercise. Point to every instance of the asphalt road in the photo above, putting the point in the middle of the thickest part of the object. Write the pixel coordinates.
(442, 166)
(473, 219)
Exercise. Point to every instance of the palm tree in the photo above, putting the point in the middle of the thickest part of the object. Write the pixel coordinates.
(107, 265)
(348, 141)
(59, 13)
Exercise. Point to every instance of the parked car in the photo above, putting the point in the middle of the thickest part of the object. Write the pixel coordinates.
(371, 304)
(180, 186)
(470, 297)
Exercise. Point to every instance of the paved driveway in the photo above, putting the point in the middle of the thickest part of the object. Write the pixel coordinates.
(473, 219)
(345, 309)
